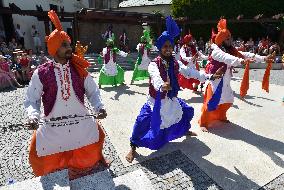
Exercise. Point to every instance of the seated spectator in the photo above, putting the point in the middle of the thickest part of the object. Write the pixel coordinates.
(32, 57)
(263, 47)
(13, 45)
(7, 77)
(4, 48)
(250, 45)
(16, 66)
(42, 58)
(275, 47)
(25, 64)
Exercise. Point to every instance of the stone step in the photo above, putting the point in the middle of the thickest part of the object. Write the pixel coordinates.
(136, 180)
(54, 181)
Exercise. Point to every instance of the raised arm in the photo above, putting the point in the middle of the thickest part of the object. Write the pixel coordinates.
(190, 72)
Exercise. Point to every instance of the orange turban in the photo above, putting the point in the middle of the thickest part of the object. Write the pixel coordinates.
(187, 38)
(223, 32)
(55, 39)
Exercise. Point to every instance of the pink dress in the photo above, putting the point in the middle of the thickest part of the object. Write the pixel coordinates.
(5, 75)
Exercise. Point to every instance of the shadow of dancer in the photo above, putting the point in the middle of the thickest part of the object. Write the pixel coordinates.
(120, 90)
(197, 150)
(264, 144)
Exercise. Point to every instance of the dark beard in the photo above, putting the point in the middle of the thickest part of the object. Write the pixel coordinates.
(68, 55)
(167, 58)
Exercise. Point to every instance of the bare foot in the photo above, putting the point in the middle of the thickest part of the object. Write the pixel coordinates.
(130, 156)
(204, 129)
(191, 133)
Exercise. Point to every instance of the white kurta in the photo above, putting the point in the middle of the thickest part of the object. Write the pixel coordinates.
(168, 116)
(191, 61)
(217, 54)
(110, 68)
(67, 134)
(145, 59)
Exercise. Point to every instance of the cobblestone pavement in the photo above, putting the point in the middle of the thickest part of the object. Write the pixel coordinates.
(172, 171)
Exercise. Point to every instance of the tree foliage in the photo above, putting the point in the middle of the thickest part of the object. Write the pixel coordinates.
(214, 9)
(230, 9)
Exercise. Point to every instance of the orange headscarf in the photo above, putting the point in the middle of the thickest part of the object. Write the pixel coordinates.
(223, 32)
(54, 41)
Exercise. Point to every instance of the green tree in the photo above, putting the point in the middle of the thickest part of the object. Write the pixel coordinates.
(214, 9)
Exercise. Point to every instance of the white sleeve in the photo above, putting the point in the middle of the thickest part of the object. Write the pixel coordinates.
(93, 93)
(33, 97)
(183, 56)
(138, 47)
(122, 53)
(104, 51)
(156, 78)
(258, 58)
(219, 55)
(190, 72)
(202, 56)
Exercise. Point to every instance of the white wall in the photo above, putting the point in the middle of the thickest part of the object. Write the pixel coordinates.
(164, 9)
(26, 22)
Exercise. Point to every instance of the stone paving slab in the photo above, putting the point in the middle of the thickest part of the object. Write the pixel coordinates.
(136, 180)
(277, 183)
(248, 150)
(55, 181)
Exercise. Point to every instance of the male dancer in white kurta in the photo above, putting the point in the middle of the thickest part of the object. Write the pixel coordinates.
(67, 135)
(219, 95)
(164, 117)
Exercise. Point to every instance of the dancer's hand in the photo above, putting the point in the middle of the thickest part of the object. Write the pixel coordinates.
(166, 86)
(248, 61)
(218, 74)
(102, 114)
(270, 58)
(32, 124)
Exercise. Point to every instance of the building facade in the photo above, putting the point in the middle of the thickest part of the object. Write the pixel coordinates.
(104, 4)
(26, 22)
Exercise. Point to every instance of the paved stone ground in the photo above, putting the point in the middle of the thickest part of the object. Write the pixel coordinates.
(171, 171)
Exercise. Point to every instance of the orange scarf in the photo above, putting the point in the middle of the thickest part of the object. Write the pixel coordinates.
(265, 80)
(245, 81)
(80, 65)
